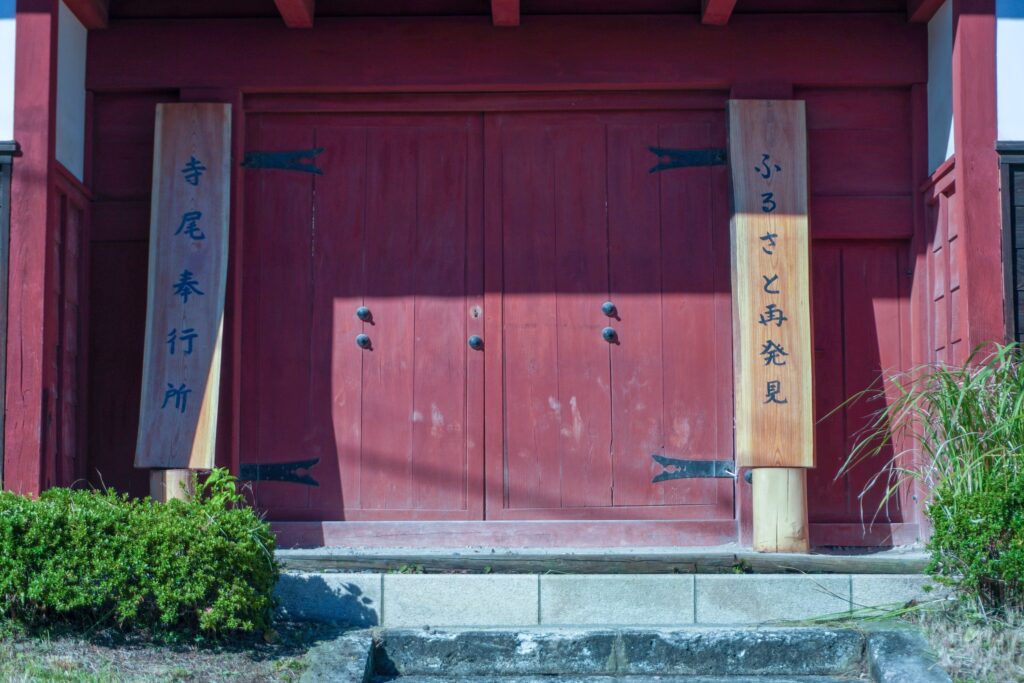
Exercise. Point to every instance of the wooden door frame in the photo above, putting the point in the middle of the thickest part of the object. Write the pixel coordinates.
(441, 533)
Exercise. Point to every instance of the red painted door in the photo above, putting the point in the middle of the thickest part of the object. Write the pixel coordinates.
(516, 228)
(393, 225)
(575, 219)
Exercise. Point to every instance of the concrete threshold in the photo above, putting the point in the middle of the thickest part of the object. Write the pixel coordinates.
(716, 560)
(392, 600)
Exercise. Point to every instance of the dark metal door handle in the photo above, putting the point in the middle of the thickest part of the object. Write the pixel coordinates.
(476, 343)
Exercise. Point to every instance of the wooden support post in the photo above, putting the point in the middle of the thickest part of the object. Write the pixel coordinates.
(774, 354)
(780, 510)
(165, 485)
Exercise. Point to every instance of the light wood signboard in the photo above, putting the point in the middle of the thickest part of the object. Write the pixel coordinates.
(188, 251)
(774, 355)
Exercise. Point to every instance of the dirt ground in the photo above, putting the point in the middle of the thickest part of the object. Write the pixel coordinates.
(106, 657)
(975, 648)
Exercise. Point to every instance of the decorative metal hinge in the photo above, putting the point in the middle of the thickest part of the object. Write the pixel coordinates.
(280, 471)
(693, 469)
(288, 161)
(683, 158)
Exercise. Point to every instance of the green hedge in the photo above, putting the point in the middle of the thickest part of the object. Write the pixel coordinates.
(978, 540)
(102, 559)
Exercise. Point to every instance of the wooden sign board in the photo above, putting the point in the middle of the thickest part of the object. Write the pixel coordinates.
(188, 259)
(773, 352)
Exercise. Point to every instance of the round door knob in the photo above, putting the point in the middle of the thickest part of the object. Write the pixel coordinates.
(476, 343)
(610, 335)
(363, 313)
(363, 341)
(609, 309)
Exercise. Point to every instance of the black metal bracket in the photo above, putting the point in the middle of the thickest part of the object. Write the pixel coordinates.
(288, 161)
(683, 158)
(693, 469)
(280, 471)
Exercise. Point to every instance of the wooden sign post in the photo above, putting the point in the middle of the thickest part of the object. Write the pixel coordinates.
(774, 355)
(188, 252)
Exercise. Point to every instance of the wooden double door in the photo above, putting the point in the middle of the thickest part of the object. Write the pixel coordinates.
(476, 253)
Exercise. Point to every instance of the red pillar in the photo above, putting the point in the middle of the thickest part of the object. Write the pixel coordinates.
(977, 213)
(31, 341)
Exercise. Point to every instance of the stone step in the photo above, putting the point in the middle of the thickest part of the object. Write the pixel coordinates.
(717, 560)
(620, 652)
(617, 679)
(469, 600)
(885, 653)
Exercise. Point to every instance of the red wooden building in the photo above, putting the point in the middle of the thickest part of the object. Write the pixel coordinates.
(485, 173)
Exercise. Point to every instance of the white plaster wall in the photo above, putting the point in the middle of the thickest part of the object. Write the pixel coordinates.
(6, 70)
(71, 40)
(940, 86)
(1010, 69)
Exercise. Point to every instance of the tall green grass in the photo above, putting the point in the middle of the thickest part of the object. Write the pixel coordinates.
(960, 427)
(958, 431)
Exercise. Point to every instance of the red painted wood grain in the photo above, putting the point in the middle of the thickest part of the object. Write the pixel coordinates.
(29, 439)
(466, 54)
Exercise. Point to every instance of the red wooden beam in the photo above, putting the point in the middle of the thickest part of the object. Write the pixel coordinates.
(296, 13)
(921, 11)
(545, 53)
(31, 333)
(716, 12)
(92, 13)
(978, 213)
(505, 12)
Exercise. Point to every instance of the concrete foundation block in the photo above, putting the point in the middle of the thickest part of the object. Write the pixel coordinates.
(460, 600)
(892, 590)
(613, 600)
(349, 599)
(895, 656)
(345, 659)
(753, 599)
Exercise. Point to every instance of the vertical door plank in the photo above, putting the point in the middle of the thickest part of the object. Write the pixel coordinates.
(255, 186)
(693, 329)
(477, 303)
(495, 453)
(532, 404)
(721, 214)
(581, 246)
(871, 300)
(439, 288)
(392, 238)
(339, 276)
(637, 362)
(830, 499)
(283, 225)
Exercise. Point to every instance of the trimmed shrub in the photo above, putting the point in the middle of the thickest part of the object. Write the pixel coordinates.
(98, 558)
(977, 544)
